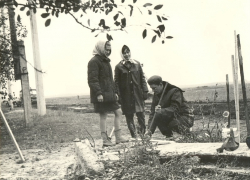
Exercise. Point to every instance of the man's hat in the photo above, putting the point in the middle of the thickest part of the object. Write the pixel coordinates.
(155, 80)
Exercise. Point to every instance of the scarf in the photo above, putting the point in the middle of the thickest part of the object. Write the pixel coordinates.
(99, 49)
(130, 60)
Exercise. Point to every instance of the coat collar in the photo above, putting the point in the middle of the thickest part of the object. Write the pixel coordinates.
(131, 60)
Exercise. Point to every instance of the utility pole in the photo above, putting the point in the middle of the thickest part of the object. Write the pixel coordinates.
(18, 54)
(25, 86)
(41, 106)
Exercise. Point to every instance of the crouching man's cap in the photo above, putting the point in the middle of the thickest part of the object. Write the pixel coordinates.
(155, 80)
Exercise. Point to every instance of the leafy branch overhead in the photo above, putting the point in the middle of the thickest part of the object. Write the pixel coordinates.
(115, 10)
(7, 63)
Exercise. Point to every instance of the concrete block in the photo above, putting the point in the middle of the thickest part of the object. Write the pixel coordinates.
(88, 158)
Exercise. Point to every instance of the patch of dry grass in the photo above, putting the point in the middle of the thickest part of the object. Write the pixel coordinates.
(51, 130)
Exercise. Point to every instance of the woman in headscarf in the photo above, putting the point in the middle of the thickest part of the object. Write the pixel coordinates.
(102, 90)
(132, 90)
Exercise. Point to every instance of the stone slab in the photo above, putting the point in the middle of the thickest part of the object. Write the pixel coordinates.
(202, 149)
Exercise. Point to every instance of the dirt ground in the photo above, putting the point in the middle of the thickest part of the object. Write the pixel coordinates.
(39, 163)
(48, 147)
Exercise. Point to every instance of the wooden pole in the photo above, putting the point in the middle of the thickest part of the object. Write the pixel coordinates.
(236, 67)
(41, 106)
(163, 92)
(237, 83)
(228, 101)
(12, 136)
(236, 92)
(243, 84)
(25, 85)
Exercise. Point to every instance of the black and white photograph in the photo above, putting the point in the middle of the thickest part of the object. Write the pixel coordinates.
(124, 90)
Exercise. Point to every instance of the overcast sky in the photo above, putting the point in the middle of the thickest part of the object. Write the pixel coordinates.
(199, 53)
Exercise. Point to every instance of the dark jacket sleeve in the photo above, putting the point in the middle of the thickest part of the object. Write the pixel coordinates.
(143, 81)
(175, 105)
(117, 79)
(93, 78)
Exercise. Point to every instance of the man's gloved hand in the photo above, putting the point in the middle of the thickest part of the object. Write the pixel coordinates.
(157, 108)
(147, 135)
(145, 95)
(100, 98)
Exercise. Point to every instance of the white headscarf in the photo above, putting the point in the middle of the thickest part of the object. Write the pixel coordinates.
(124, 60)
(100, 48)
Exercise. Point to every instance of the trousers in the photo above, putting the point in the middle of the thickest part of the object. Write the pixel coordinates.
(167, 125)
(131, 124)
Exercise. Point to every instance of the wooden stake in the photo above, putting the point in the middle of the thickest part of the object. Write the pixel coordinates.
(236, 62)
(243, 84)
(25, 85)
(228, 101)
(236, 92)
(12, 136)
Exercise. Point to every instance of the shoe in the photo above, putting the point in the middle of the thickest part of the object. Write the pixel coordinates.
(118, 137)
(105, 140)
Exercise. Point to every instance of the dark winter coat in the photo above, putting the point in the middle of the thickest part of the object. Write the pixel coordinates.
(100, 79)
(131, 86)
(173, 106)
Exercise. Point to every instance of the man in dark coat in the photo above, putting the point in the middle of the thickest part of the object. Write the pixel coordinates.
(132, 90)
(102, 90)
(173, 112)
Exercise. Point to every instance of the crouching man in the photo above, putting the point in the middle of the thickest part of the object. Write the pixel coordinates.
(172, 113)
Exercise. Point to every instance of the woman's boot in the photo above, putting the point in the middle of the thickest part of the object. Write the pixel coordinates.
(105, 140)
(119, 138)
